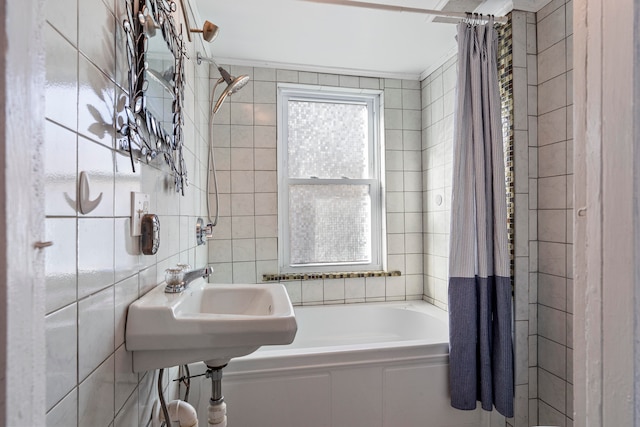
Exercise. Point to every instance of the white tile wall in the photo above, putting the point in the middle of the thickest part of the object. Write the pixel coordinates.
(95, 269)
(245, 142)
(61, 353)
(96, 395)
(555, 215)
(437, 156)
(526, 158)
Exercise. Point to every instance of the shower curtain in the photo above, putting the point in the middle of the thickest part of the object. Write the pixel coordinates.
(480, 317)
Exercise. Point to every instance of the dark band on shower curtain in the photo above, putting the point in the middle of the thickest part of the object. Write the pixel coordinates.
(480, 316)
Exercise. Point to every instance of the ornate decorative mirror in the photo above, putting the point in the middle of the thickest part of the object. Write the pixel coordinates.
(155, 53)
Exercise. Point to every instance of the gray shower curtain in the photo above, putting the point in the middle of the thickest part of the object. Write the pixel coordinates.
(480, 317)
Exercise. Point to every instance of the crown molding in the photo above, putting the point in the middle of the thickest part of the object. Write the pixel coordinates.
(318, 69)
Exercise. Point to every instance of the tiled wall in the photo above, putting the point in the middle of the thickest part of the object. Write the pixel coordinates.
(245, 245)
(525, 128)
(438, 104)
(95, 269)
(555, 212)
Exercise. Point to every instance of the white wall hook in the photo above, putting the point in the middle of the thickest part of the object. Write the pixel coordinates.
(85, 204)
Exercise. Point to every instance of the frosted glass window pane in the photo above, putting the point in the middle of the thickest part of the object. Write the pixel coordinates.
(328, 140)
(329, 224)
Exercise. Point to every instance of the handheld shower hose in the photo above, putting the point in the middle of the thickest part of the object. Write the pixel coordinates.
(234, 84)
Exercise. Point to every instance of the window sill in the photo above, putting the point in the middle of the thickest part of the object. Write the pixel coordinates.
(315, 276)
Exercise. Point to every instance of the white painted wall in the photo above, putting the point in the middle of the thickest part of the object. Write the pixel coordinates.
(21, 123)
(636, 205)
(606, 222)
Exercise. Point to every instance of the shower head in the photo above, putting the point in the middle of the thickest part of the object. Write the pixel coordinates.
(234, 84)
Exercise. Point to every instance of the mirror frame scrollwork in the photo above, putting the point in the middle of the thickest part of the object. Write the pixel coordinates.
(145, 137)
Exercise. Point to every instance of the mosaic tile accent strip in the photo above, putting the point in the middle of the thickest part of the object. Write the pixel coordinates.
(316, 276)
(505, 76)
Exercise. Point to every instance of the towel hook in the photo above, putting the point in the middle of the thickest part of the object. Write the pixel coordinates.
(86, 205)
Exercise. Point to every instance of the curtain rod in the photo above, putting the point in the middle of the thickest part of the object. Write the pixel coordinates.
(392, 8)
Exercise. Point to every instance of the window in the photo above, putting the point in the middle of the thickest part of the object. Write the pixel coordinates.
(330, 198)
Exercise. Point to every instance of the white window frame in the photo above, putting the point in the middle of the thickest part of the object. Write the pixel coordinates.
(374, 101)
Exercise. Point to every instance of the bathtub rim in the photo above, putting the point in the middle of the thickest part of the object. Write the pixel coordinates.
(319, 358)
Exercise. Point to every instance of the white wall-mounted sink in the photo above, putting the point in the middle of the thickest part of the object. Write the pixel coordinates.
(207, 322)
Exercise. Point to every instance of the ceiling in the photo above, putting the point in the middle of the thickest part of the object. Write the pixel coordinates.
(334, 38)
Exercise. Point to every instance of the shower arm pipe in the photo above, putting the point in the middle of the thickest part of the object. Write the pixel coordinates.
(225, 75)
(393, 8)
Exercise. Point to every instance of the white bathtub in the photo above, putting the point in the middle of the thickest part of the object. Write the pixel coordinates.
(382, 364)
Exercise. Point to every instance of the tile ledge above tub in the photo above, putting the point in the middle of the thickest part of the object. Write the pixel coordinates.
(315, 276)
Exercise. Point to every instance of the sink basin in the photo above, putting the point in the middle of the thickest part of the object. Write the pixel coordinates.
(207, 322)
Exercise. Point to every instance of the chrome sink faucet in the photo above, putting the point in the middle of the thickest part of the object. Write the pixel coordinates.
(178, 278)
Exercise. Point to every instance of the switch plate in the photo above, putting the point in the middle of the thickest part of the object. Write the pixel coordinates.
(139, 208)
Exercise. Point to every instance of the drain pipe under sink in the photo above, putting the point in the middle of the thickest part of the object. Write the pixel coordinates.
(217, 416)
(182, 413)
